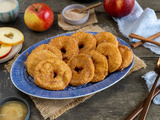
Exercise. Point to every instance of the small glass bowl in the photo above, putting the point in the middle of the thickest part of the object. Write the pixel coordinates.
(12, 98)
(10, 15)
(74, 22)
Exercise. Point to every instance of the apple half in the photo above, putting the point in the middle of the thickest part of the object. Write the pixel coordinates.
(4, 50)
(10, 36)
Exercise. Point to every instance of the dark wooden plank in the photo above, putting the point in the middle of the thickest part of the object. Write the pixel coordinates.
(153, 4)
(58, 5)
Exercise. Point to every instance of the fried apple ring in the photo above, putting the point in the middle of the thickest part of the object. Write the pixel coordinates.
(52, 74)
(100, 64)
(86, 41)
(35, 57)
(127, 56)
(52, 49)
(67, 45)
(113, 55)
(106, 37)
(82, 69)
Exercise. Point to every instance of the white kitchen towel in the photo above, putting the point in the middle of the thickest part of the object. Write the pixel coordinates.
(144, 23)
(150, 78)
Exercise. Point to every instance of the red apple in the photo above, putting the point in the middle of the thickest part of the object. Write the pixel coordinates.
(39, 17)
(118, 8)
(4, 50)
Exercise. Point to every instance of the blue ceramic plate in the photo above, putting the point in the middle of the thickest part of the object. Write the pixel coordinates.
(25, 83)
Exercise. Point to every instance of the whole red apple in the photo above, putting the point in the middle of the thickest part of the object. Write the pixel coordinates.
(39, 17)
(118, 8)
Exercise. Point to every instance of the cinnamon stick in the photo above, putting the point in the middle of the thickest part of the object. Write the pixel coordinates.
(91, 6)
(141, 42)
(132, 35)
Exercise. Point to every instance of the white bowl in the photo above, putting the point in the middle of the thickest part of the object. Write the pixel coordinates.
(74, 22)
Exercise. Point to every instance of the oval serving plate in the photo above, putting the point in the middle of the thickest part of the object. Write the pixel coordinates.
(25, 83)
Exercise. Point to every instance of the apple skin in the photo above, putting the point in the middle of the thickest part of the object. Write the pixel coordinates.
(39, 17)
(18, 36)
(118, 8)
(5, 50)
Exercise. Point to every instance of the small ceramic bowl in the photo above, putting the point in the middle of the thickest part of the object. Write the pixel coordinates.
(75, 22)
(19, 100)
(10, 15)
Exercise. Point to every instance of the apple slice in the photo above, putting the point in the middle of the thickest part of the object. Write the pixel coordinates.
(15, 50)
(4, 50)
(10, 36)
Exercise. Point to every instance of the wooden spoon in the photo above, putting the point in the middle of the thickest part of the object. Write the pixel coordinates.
(86, 8)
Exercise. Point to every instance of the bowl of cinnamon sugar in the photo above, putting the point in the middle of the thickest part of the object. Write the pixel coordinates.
(72, 16)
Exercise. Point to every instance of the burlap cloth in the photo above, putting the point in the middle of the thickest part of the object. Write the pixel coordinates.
(65, 26)
(54, 108)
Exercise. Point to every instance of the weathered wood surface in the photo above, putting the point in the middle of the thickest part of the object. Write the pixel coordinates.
(58, 5)
(114, 103)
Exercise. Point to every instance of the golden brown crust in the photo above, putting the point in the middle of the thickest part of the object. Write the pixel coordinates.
(127, 56)
(52, 49)
(82, 69)
(106, 37)
(67, 45)
(47, 63)
(100, 64)
(52, 74)
(35, 57)
(86, 41)
(113, 55)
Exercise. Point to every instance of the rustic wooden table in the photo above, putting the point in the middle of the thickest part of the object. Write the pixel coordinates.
(114, 103)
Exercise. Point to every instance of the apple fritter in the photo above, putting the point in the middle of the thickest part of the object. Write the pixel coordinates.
(106, 37)
(52, 74)
(82, 69)
(67, 45)
(35, 57)
(100, 64)
(127, 56)
(52, 49)
(112, 54)
(86, 41)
